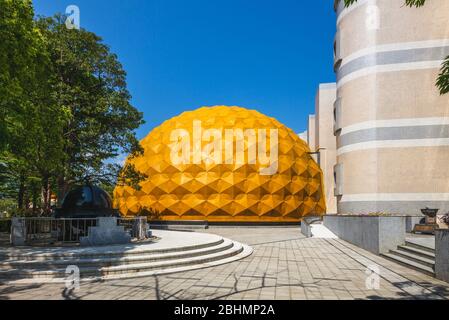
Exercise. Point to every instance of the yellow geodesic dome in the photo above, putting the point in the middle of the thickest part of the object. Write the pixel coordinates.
(216, 187)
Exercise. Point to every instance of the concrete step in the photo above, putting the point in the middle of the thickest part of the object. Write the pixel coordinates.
(34, 254)
(113, 260)
(133, 269)
(419, 252)
(418, 246)
(234, 250)
(410, 263)
(412, 256)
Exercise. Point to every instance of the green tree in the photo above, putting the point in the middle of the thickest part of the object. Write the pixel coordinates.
(30, 120)
(91, 91)
(17, 53)
(64, 108)
(443, 79)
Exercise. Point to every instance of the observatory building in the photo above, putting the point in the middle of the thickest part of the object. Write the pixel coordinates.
(224, 164)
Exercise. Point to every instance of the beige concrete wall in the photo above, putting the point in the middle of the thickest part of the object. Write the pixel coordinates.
(364, 101)
(311, 133)
(378, 166)
(391, 22)
(393, 146)
(303, 136)
(326, 141)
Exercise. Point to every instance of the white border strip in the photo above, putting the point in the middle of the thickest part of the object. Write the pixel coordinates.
(395, 123)
(327, 86)
(437, 43)
(354, 6)
(389, 68)
(382, 144)
(395, 197)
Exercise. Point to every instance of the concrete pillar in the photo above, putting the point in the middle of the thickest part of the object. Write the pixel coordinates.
(311, 133)
(140, 228)
(442, 254)
(325, 140)
(18, 232)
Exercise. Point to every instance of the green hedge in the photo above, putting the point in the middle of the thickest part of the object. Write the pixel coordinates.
(5, 225)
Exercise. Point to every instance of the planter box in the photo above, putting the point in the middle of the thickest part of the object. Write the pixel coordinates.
(377, 234)
(442, 254)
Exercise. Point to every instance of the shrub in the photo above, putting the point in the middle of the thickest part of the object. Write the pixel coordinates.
(7, 205)
(5, 225)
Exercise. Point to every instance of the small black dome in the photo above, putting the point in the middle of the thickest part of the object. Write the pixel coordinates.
(86, 201)
(87, 197)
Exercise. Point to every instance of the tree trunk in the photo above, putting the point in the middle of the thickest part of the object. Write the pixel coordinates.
(34, 202)
(21, 195)
(62, 189)
(46, 195)
(26, 199)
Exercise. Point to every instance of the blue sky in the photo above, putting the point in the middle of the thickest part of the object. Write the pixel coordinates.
(268, 55)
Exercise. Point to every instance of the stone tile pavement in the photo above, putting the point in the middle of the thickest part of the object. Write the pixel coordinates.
(285, 265)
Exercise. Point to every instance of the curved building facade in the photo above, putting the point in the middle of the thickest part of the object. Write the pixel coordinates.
(224, 164)
(392, 125)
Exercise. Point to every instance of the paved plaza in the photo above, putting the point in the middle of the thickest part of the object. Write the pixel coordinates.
(284, 265)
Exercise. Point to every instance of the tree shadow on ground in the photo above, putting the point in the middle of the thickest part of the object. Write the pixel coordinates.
(8, 290)
(69, 294)
(159, 293)
(431, 291)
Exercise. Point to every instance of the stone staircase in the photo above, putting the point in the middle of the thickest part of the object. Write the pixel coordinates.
(103, 264)
(415, 256)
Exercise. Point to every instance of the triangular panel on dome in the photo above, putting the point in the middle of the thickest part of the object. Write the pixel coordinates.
(225, 191)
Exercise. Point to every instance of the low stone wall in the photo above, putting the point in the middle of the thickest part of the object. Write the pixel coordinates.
(306, 229)
(306, 225)
(178, 225)
(412, 221)
(377, 234)
(107, 232)
(442, 254)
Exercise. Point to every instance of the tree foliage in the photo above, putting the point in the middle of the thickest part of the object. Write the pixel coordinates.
(91, 90)
(443, 79)
(29, 117)
(65, 108)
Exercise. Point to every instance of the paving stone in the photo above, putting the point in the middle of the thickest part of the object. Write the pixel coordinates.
(284, 265)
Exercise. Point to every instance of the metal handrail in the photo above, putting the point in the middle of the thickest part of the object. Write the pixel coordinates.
(56, 231)
(51, 230)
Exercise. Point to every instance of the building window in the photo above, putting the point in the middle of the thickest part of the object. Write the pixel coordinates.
(337, 116)
(338, 177)
(337, 51)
